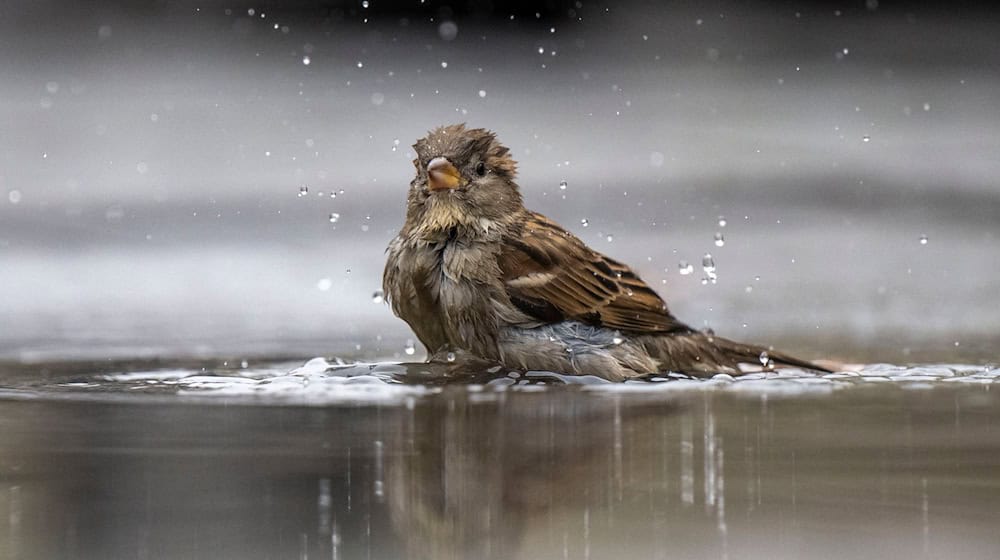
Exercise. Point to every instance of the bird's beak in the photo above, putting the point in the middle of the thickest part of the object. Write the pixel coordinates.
(442, 175)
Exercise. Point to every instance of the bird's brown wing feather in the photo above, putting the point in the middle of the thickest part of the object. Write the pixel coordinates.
(553, 276)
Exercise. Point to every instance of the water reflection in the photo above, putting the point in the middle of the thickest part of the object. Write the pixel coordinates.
(557, 473)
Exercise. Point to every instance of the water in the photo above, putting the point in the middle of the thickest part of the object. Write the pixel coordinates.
(278, 460)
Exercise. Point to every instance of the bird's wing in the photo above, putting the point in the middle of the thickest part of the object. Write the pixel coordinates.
(553, 276)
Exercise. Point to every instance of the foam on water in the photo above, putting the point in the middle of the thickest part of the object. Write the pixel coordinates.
(320, 382)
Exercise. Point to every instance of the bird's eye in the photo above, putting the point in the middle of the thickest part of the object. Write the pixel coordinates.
(481, 169)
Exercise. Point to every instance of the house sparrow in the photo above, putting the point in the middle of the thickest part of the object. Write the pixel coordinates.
(473, 271)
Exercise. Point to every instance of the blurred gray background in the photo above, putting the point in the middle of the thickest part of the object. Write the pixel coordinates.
(152, 159)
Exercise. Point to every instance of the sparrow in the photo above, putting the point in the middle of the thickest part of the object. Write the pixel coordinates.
(472, 271)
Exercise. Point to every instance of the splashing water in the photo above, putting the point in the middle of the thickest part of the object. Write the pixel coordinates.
(708, 265)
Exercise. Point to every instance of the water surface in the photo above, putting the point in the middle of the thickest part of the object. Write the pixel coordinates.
(280, 460)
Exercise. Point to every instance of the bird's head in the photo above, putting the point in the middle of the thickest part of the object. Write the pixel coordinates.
(464, 179)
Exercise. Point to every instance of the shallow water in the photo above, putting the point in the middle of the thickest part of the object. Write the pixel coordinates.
(280, 460)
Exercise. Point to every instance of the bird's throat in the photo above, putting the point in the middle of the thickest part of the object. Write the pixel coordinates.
(441, 217)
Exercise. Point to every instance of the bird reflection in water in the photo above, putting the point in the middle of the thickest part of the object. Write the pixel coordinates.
(491, 477)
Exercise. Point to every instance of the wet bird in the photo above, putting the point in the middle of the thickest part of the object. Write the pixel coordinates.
(472, 271)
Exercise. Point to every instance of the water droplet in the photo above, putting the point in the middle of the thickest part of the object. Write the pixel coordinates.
(306, 60)
(378, 98)
(444, 64)
(719, 239)
(584, 222)
(482, 93)
(617, 340)
(14, 196)
(541, 50)
(303, 190)
(450, 356)
(708, 265)
(764, 358)
(927, 106)
(378, 296)
(324, 284)
(685, 268)
(866, 138)
(364, 4)
(923, 240)
(722, 221)
(244, 364)
(334, 217)
(563, 185)
(609, 237)
(361, 64)
(448, 30)
(409, 348)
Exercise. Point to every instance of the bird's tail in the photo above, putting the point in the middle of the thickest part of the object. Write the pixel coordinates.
(697, 353)
(766, 358)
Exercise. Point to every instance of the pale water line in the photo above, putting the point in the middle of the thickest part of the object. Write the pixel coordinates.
(925, 515)
(324, 506)
(720, 510)
(687, 460)
(619, 482)
(709, 455)
(379, 484)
